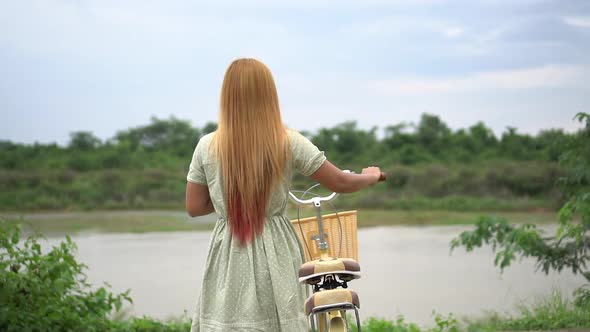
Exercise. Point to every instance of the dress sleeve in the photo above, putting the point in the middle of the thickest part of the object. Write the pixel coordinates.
(306, 157)
(196, 172)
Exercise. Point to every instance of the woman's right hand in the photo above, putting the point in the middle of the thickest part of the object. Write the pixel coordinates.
(372, 170)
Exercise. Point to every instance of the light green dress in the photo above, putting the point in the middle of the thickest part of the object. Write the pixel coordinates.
(253, 287)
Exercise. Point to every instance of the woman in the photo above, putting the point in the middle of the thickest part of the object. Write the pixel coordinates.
(242, 171)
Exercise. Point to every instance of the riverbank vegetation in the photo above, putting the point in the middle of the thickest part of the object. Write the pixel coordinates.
(567, 249)
(430, 167)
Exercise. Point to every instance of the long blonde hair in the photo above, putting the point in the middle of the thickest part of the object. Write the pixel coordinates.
(250, 144)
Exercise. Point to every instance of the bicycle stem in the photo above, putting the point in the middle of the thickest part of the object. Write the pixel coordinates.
(322, 240)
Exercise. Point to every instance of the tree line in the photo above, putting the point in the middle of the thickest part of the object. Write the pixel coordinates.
(168, 144)
(431, 166)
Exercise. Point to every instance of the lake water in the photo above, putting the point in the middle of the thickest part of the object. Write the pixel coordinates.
(406, 270)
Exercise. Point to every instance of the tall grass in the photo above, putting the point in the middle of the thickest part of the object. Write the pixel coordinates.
(441, 324)
(553, 312)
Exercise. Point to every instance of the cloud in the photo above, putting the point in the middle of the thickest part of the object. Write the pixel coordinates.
(578, 21)
(453, 32)
(127, 31)
(531, 78)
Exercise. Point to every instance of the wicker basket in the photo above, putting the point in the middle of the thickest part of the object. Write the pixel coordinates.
(332, 230)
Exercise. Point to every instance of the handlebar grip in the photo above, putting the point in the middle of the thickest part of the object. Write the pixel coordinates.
(382, 177)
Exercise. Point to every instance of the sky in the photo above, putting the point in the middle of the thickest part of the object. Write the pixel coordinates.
(108, 65)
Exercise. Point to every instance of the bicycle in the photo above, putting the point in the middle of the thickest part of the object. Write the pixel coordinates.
(328, 276)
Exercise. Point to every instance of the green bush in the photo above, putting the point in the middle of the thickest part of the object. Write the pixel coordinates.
(48, 291)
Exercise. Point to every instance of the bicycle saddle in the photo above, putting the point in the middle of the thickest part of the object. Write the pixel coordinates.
(331, 299)
(340, 266)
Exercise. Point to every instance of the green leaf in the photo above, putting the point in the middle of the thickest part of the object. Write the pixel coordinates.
(15, 237)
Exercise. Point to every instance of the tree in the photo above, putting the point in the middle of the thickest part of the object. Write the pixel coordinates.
(516, 146)
(482, 137)
(209, 128)
(397, 136)
(83, 140)
(569, 248)
(176, 136)
(546, 141)
(432, 133)
(346, 143)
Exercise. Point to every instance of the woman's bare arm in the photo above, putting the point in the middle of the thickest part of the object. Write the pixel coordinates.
(198, 201)
(336, 180)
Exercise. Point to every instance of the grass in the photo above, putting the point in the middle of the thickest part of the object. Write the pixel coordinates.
(168, 221)
(374, 217)
(369, 218)
(551, 313)
(112, 222)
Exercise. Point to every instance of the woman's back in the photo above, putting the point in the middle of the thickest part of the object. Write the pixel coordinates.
(305, 158)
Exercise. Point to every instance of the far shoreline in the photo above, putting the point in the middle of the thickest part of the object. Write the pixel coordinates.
(144, 221)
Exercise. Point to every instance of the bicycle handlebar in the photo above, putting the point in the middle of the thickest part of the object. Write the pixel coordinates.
(316, 201)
